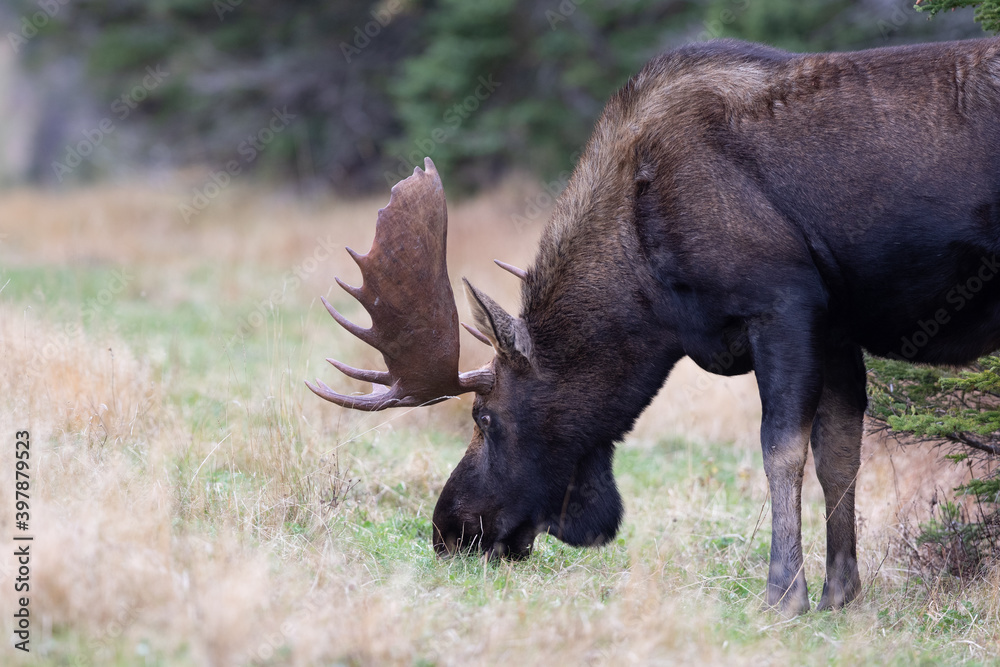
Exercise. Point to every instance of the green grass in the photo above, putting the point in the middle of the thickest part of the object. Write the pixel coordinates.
(693, 548)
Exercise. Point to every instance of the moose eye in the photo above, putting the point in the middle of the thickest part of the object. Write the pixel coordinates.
(484, 422)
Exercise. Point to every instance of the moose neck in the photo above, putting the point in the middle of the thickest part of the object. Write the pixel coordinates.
(589, 306)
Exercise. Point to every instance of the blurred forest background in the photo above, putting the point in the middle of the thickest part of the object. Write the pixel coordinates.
(350, 96)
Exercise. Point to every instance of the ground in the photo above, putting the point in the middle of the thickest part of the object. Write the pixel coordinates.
(193, 503)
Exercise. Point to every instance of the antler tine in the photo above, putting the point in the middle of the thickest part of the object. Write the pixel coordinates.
(356, 256)
(375, 377)
(350, 289)
(377, 400)
(520, 273)
(477, 334)
(407, 293)
(366, 335)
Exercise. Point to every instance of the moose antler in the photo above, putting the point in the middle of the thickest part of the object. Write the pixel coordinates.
(407, 292)
(510, 268)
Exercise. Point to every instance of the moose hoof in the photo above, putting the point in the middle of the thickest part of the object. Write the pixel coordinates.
(837, 593)
(790, 601)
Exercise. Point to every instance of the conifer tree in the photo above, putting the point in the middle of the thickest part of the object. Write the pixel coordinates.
(987, 11)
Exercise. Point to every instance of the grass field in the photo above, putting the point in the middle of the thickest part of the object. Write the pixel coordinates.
(193, 503)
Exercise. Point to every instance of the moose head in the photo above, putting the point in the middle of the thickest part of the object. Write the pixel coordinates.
(539, 460)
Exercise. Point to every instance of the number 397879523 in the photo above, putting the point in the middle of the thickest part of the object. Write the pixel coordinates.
(22, 478)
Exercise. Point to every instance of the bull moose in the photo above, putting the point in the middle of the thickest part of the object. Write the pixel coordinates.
(746, 207)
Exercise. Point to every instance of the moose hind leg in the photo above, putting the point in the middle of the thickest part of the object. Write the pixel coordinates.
(836, 444)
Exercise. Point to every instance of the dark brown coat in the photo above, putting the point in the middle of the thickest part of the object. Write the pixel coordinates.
(754, 210)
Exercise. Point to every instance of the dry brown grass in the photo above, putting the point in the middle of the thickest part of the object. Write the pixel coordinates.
(160, 534)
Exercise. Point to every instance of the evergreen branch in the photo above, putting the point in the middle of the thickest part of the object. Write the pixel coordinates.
(987, 11)
(935, 6)
(968, 440)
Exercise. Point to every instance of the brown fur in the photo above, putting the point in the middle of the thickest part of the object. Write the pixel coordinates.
(660, 115)
(753, 210)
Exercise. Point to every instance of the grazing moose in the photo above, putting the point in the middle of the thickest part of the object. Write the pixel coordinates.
(746, 207)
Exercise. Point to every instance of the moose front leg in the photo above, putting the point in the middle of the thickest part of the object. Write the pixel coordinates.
(836, 443)
(784, 461)
(789, 378)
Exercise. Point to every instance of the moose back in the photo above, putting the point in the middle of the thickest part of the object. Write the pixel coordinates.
(746, 207)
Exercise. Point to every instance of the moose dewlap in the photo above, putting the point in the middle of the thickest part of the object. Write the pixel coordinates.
(746, 207)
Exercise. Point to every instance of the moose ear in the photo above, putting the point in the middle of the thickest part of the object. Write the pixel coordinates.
(508, 334)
